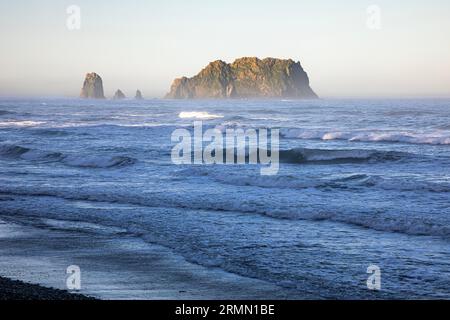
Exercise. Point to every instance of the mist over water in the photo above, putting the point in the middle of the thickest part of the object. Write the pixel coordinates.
(361, 182)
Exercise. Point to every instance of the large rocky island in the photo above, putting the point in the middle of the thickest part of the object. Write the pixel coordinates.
(245, 78)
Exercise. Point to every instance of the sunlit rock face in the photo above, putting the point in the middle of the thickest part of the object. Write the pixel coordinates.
(92, 87)
(245, 78)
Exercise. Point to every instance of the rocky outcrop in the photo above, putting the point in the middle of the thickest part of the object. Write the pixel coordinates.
(138, 95)
(245, 78)
(119, 95)
(92, 87)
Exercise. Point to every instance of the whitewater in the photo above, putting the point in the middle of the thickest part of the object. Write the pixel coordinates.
(361, 182)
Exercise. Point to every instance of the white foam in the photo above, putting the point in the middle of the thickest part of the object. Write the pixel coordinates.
(439, 137)
(15, 123)
(82, 226)
(289, 208)
(199, 115)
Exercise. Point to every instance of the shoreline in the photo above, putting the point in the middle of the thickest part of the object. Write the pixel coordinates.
(112, 267)
(11, 290)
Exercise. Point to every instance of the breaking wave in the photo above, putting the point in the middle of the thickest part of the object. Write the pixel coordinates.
(352, 181)
(199, 115)
(325, 156)
(98, 161)
(436, 138)
(17, 123)
(81, 160)
(318, 156)
(412, 224)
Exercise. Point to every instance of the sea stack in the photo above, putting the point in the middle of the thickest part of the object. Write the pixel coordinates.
(245, 78)
(138, 95)
(119, 95)
(92, 87)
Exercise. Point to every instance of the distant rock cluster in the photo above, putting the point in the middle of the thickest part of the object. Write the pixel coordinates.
(247, 77)
(93, 89)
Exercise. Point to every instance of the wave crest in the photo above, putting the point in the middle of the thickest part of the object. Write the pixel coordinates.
(202, 115)
(436, 138)
(329, 156)
(98, 161)
(382, 221)
(351, 181)
(82, 161)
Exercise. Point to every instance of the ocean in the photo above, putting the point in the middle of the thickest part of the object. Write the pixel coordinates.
(361, 183)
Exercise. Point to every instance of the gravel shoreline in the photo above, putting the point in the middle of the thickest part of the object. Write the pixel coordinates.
(18, 290)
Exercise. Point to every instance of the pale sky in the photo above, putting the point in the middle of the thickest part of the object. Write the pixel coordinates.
(145, 44)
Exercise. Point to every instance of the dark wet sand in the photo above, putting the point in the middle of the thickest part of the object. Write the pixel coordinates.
(18, 290)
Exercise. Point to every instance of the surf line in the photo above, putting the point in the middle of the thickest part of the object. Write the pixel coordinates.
(240, 146)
